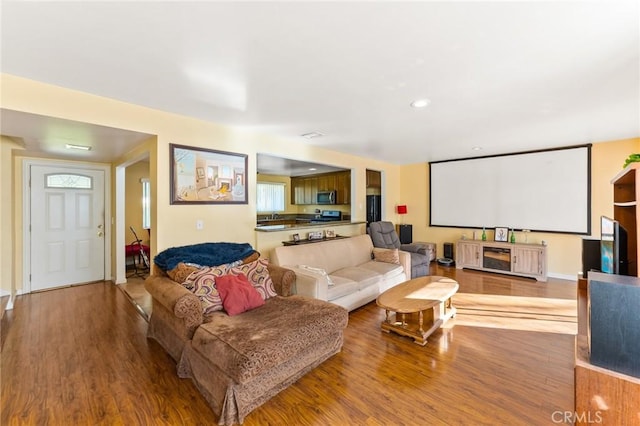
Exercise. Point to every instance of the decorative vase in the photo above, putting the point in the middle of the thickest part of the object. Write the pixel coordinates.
(484, 235)
(513, 237)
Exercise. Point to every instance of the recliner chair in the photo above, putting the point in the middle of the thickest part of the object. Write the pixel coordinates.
(384, 235)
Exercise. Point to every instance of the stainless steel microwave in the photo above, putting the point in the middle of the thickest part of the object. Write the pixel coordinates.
(326, 197)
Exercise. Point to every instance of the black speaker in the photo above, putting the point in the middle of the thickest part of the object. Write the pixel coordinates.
(405, 233)
(448, 250)
(590, 256)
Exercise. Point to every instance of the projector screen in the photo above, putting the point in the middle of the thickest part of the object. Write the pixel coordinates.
(545, 191)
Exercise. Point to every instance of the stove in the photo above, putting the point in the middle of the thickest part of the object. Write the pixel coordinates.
(328, 216)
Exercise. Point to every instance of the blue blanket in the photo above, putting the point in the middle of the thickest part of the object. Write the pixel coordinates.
(204, 254)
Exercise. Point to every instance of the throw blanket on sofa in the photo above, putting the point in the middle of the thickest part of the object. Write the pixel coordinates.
(204, 254)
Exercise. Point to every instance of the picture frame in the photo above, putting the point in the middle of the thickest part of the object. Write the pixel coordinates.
(207, 176)
(329, 233)
(296, 237)
(316, 235)
(501, 234)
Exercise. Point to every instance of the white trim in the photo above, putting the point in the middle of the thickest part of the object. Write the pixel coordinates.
(27, 163)
(563, 276)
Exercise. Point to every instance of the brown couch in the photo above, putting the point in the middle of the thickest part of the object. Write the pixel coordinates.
(239, 362)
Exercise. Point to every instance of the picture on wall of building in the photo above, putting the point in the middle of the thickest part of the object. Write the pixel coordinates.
(206, 176)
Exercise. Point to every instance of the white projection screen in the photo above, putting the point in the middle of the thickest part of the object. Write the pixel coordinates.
(545, 191)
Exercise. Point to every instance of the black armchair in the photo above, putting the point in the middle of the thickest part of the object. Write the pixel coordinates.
(383, 234)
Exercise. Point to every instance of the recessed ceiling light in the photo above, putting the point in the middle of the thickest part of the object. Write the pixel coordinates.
(312, 135)
(312, 169)
(80, 147)
(420, 103)
(477, 148)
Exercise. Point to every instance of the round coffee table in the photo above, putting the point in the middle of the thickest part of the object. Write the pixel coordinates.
(416, 308)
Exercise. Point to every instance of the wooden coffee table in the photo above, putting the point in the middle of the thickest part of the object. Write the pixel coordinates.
(416, 308)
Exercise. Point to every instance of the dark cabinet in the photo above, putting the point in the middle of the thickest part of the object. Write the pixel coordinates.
(305, 188)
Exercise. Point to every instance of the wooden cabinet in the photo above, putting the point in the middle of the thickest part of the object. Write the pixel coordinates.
(327, 182)
(625, 210)
(374, 179)
(310, 190)
(343, 187)
(468, 254)
(305, 188)
(528, 260)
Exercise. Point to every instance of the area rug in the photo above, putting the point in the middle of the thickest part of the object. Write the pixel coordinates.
(516, 313)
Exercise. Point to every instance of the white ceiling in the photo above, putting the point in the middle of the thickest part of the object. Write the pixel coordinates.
(503, 76)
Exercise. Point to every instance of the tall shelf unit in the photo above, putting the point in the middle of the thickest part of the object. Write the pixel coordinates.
(625, 209)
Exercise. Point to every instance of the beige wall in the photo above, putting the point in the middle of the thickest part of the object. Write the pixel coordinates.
(133, 200)
(7, 230)
(564, 251)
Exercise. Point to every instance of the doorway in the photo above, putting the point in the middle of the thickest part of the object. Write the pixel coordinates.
(65, 234)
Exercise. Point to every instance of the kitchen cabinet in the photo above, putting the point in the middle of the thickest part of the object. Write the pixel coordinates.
(374, 179)
(305, 188)
(343, 187)
(327, 182)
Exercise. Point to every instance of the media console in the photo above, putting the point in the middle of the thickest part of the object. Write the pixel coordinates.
(527, 260)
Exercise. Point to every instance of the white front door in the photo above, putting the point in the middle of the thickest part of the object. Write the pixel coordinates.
(67, 226)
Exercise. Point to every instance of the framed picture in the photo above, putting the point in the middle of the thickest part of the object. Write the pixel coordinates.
(207, 176)
(296, 237)
(316, 235)
(501, 234)
(329, 233)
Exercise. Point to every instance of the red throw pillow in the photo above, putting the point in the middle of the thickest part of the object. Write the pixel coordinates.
(237, 294)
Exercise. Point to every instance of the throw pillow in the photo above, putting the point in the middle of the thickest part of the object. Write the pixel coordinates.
(318, 271)
(202, 283)
(181, 272)
(386, 255)
(258, 276)
(238, 295)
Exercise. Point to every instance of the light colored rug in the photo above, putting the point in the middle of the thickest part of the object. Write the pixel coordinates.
(515, 313)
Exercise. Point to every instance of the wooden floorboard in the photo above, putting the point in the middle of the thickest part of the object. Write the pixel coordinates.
(80, 356)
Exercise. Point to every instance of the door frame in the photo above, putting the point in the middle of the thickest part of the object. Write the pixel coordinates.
(26, 211)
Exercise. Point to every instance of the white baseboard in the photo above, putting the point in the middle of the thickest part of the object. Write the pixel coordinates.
(4, 293)
(563, 276)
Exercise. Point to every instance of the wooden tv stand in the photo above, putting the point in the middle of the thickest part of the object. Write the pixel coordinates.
(526, 260)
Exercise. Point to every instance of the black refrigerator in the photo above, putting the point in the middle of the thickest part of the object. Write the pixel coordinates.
(374, 208)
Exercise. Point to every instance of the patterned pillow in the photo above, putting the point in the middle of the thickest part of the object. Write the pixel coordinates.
(258, 276)
(386, 255)
(181, 272)
(202, 283)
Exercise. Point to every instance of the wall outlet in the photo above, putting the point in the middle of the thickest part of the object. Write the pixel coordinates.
(199, 224)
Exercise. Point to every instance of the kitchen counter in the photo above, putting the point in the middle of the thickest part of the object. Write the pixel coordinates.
(272, 228)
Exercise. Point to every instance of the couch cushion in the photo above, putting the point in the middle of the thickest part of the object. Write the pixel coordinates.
(341, 287)
(386, 255)
(387, 270)
(245, 346)
(258, 276)
(202, 283)
(363, 276)
(237, 294)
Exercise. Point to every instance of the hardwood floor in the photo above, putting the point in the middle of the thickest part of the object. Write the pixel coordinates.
(80, 356)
